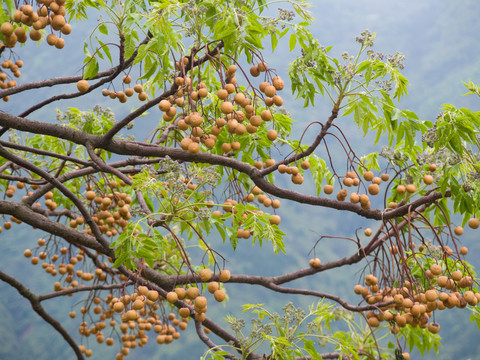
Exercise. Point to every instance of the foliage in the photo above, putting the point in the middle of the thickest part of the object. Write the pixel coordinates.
(137, 220)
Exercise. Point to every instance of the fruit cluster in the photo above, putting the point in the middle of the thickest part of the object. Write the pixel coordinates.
(139, 311)
(51, 12)
(122, 96)
(14, 68)
(109, 211)
(414, 306)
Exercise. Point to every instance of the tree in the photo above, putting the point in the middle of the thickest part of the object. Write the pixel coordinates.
(131, 223)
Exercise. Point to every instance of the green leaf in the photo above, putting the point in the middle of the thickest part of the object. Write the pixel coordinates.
(103, 29)
(11, 7)
(91, 70)
(292, 42)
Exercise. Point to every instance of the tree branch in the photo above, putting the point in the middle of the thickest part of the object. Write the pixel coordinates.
(35, 302)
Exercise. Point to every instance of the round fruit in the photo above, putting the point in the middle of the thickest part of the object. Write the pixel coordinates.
(201, 302)
(219, 295)
(368, 232)
(432, 167)
(205, 274)
(278, 83)
(368, 175)
(212, 287)
(172, 297)
(193, 148)
(164, 105)
(436, 269)
(328, 189)
(82, 86)
(385, 177)
(52, 39)
(373, 189)
(272, 134)
(226, 107)
(315, 262)
(262, 67)
(224, 275)
(434, 327)
(305, 165)
(266, 115)
(428, 179)
(192, 292)
(401, 189)
(411, 188)
(270, 91)
(458, 230)
(473, 223)
(66, 29)
(6, 29)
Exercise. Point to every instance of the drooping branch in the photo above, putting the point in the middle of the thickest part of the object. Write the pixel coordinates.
(37, 307)
(74, 290)
(75, 200)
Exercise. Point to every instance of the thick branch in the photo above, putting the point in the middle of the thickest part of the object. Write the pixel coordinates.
(36, 220)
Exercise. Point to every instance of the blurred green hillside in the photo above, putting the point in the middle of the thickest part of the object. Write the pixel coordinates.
(440, 42)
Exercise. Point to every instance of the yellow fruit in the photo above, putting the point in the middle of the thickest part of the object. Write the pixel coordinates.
(278, 83)
(272, 134)
(373, 189)
(328, 189)
(458, 230)
(270, 91)
(224, 275)
(82, 86)
(205, 274)
(118, 306)
(368, 175)
(6, 29)
(226, 107)
(275, 220)
(193, 148)
(315, 262)
(434, 328)
(219, 295)
(266, 115)
(212, 287)
(192, 292)
(368, 232)
(164, 105)
(428, 179)
(411, 188)
(473, 223)
(172, 297)
(52, 40)
(201, 302)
